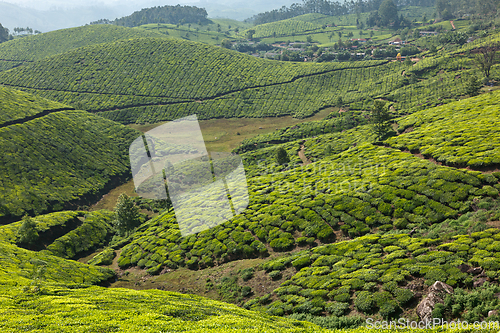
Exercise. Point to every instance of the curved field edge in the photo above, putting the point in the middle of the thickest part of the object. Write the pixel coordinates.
(60, 160)
(17, 105)
(95, 308)
(462, 134)
(32, 48)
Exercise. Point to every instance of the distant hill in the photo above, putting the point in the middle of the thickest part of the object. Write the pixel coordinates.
(54, 156)
(32, 48)
(155, 79)
(165, 14)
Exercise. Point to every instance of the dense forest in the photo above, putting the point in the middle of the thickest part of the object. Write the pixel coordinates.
(445, 8)
(166, 14)
(4, 34)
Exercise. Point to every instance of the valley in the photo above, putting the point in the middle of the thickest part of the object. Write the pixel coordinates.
(371, 179)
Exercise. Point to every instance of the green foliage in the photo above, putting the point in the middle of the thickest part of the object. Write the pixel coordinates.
(275, 275)
(154, 311)
(32, 48)
(27, 234)
(275, 89)
(282, 156)
(473, 86)
(126, 215)
(17, 105)
(463, 133)
(103, 258)
(247, 273)
(93, 233)
(364, 301)
(75, 160)
(164, 14)
(380, 117)
(388, 12)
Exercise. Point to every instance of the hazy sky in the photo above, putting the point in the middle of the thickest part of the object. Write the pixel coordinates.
(52, 4)
(50, 15)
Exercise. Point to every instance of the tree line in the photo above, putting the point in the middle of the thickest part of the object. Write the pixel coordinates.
(446, 9)
(4, 34)
(166, 14)
(331, 8)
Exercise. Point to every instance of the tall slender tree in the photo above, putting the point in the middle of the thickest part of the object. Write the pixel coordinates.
(380, 119)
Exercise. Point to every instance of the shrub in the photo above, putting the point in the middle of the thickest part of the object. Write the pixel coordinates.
(403, 296)
(27, 234)
(246, 274)
(337, 308)
(282, 244)
(389, 309)
(301, 262)
(364, 301)
(275, 275)
(246, 291)
(438, 311)
(343, 298)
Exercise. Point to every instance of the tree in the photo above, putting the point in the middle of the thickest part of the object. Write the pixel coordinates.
(473, 86)
(4, 34)
(380, 119)
(27, 234)
(339, 101)
(328, 150)
(250, 34)
(282, 156)
(486, 58)
(309, 39)
(408, 61)
(388, 12)
(226, 43)
(127, 215)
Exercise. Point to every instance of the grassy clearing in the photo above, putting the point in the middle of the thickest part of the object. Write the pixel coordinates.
(221, 135)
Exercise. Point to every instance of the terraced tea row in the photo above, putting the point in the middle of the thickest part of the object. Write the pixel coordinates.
(32, 48)
(152, 80)
(460, 134)
(381, 275)
(360, 190)
(62, 157)
(17, 105)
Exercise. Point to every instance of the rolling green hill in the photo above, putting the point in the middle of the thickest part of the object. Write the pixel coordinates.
(54, 157)
(211, 32)
(17, 105)
(152, 80)
(104, 310)
(43, 292)
(358, 190)
(32, 48)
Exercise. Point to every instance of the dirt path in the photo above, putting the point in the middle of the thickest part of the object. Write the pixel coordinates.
(452, 25)
(302, 156)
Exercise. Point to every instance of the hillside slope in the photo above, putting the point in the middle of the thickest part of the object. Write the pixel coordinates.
(43, 292)
(357, 189)
(51, 157)
(150, 80)
(32, 48)
(98, 309)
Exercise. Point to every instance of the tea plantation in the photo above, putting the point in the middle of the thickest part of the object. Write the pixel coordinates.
(53, 156)
(458, 134)
(148, 80)
(32, 48)
(341, 226)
